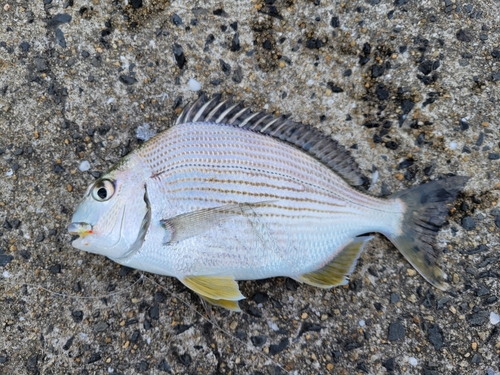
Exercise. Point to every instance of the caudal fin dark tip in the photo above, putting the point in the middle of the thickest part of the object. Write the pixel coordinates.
(425, 210)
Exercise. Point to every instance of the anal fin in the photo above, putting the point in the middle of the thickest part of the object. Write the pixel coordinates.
(216, 288)
(339, 268)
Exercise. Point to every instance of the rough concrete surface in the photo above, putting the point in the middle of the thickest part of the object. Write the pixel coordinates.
(411, 87)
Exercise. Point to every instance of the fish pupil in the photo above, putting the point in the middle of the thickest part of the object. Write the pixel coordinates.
(102, 193)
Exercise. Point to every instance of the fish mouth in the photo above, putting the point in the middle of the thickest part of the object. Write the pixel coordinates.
(80, 229)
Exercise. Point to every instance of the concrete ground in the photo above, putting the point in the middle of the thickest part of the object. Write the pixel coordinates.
(411, 87)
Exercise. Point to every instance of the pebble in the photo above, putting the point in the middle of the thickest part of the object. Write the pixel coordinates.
(436, 336)
(396, 331)
(413, 361)
(101, 326)
(84, 166)
(194, 85)
(468, 223)
(275, 349)
(258, 340)
(143, 132)
(494, 318)
(411, 272)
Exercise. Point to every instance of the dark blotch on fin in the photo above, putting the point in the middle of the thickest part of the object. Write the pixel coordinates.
(305, 137)
(426, 208)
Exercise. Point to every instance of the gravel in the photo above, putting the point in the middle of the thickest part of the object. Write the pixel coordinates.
(423, 78)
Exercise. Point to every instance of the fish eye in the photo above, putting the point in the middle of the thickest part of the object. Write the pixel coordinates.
(103, 190)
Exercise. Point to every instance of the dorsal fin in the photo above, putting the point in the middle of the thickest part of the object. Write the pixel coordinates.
(307, 138)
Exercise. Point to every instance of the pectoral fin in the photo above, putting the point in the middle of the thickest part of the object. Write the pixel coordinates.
(339, 268)
(194, 223)
(219, 288)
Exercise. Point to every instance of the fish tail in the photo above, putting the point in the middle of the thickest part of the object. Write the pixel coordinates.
(426, 207)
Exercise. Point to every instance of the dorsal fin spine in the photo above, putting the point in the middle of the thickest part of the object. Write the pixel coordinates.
(226, 112)
(268, 125)
(202, 109)
(238, 115)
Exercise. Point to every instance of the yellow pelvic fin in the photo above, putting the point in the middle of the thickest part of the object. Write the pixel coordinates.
(339, 268)
(230, 305)
(214, 287)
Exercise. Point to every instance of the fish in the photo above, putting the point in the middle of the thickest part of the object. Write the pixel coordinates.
(230, 194)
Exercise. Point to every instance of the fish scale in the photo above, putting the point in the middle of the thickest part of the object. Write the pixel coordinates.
(204, 175)
(228, 194)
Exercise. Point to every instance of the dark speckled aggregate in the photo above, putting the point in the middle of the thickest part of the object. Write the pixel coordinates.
(410, 87)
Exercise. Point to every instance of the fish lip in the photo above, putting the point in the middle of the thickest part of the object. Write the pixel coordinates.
(81, 229)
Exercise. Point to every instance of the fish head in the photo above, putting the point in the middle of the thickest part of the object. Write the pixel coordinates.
(114, 215)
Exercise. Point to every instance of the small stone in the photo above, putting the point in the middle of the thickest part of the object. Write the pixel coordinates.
(84, 166)
(254, 311)
(127, 80)
(164, 366)
(154, 312)
(180, 58)
(55, 269)
(378, 70)
(68, 343)
(176, 20)
(235, 43)
(77, 316)
(194, 85)
(468, 223)
(436, 336)
(226, 68)
(25, 46)
(464, 35)
(142, 366)
(396, 331)
(101, 327)
(335, 22)
(275, 349)
(494, 318)
(58, 20)
(258, 340)
(413, 361)
(60, 39)
(390, 364)
(394, 298)
(4, 258)
(478, 319)
(476, 358)
(180, 328)
(32, 364)
(160, 297)
(136, 4)
(185, 359)
(94, 357)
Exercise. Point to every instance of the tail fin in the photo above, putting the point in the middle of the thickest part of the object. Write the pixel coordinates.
(426, 208)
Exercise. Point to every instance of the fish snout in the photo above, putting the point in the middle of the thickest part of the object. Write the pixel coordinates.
(80, 229)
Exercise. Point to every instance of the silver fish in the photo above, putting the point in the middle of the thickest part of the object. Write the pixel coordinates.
(229, 194)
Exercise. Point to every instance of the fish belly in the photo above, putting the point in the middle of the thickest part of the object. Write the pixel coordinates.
(301, 213)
